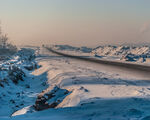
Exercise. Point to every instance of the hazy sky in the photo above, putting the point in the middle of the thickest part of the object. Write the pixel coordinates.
(76, 22)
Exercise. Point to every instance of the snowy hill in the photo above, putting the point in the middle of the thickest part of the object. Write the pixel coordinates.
(124, 53)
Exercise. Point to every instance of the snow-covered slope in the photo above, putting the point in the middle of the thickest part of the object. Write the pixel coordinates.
(124, 53)
(16, 82)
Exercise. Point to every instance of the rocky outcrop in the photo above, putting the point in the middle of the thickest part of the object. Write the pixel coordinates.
(50, 99)
(15, 74)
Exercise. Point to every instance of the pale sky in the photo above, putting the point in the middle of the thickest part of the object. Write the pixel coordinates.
(76, 22)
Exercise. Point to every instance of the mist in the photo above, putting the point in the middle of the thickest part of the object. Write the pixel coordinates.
(77, 23)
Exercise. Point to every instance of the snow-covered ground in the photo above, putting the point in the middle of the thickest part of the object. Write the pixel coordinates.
(125, 53)
(80, 90)
(138, 54)
(17, 84)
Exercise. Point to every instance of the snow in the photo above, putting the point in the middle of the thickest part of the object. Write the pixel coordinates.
(138, 54)
(96, 91)
(22, 111)
(18, 83)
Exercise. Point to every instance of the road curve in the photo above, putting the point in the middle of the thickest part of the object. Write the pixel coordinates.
(138, 67)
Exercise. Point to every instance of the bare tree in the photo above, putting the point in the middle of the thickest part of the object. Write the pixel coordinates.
(5, 46)
(3, 39)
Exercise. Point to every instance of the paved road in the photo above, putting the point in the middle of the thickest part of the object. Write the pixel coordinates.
(125, 68)
(108, 62)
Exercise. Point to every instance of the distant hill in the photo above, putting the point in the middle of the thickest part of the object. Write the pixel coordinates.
(125, 53)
